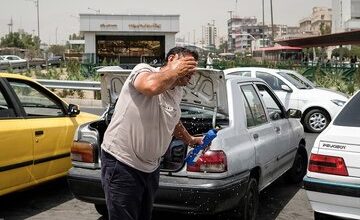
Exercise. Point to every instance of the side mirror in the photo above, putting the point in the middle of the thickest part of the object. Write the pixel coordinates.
(293, 113)
(286, 88)
(73, 110)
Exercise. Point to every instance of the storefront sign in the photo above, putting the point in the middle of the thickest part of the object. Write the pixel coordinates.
(110, 26)
(145, 26)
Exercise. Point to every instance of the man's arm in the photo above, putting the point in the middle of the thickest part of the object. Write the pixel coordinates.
(151, 84)
(181, 133)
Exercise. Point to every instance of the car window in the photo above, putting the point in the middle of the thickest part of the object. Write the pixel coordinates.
(274, 82)
(241, 73)
(296, 81)
(34, 101)
(6, 109)
(272, 104)
(349, 115)
(254, 106)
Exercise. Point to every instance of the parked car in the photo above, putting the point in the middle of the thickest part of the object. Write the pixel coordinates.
(318, 105)
(14, 61)
(257, 143)
(332, 182)
(36, 133)
(55, 61)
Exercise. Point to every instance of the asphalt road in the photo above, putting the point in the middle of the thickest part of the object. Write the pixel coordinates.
(53, 200)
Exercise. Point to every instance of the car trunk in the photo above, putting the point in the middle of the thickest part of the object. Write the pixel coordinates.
(203, 106)
(332, 144)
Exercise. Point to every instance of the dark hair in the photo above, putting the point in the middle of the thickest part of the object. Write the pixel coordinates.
(181, 51)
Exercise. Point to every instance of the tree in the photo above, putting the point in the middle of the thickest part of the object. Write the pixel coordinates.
(20, 40)
(57, 49)
(325, 29)
(337, 52)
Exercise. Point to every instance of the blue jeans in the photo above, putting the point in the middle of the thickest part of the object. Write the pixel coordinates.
(129, 193)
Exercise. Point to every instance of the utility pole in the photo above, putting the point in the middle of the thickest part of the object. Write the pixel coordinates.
(272, 22)
(194, 36)
(11, 25)
(56, 31)
(263, 21)
(38, 19)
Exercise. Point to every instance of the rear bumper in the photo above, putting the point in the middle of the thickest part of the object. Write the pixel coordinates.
(337, 199)
(197, 196)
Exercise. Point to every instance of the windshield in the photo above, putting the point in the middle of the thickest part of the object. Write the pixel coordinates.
(196, 112)
(297, 80)
(350, 116)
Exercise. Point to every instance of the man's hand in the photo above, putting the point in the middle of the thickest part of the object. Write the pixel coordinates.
(182, 65)
(193, 141)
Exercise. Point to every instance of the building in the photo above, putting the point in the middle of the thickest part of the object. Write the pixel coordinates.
(284, 31)
(318, 23)
(128, 39)
(346, 15)
(234, 23)
(210, 36)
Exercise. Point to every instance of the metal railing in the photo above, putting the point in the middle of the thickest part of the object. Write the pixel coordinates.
(70, 84)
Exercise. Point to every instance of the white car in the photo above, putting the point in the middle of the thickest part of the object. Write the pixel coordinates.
(318, 105)
(332, 182)
(13, 59)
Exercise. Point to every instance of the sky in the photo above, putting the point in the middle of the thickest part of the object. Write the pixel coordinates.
(60, 18)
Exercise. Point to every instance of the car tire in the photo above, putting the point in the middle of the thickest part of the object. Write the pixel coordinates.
(248, 206)
(298, 169)
(101, 209)
(316, 120)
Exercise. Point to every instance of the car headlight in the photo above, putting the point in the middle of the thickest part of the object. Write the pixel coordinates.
(338, 102)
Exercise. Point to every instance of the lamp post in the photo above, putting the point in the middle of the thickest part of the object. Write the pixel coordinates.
(272, 21)
(263, 21)
(38, 16)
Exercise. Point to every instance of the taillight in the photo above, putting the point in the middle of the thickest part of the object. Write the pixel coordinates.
(83, 152)
(212, 161)
(327, 164)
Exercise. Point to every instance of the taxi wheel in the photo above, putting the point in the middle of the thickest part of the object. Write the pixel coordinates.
(101, 209)
(316, 120)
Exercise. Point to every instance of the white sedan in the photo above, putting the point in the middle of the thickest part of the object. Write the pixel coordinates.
(332, 182)
(318, 105)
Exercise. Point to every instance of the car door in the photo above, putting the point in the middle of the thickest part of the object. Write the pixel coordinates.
(261, 132)
(275, 84)
(16, 145)
(52, 130)
(285, 149)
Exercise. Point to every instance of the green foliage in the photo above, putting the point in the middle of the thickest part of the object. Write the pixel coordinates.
(20, 40)
(74, 73)
(337, 52)
(57, 49)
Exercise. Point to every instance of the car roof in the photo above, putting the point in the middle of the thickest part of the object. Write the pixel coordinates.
(244, 79)
(15, 76)
(230, 70)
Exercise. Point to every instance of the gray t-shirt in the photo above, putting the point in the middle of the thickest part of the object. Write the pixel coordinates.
(141, 128)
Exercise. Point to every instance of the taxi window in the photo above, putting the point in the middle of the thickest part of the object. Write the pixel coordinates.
(6, 109)
(349, 115)
(36, 103)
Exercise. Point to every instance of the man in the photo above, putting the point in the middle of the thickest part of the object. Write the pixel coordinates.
(146, 117)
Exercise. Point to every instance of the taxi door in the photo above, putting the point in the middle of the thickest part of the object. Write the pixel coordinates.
(16, 145)
(52, 130)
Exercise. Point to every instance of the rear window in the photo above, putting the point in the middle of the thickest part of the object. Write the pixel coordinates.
(350, 115)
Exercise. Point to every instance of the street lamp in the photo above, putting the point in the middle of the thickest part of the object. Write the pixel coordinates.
(38, 18)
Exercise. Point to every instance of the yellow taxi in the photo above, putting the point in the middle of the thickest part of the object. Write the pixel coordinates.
(36, 133)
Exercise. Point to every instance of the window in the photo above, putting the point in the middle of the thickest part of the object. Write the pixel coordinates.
(6, 110)
(255, 113)
(349, 115)
(272, 104)
(274, 82)
(34, 101)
